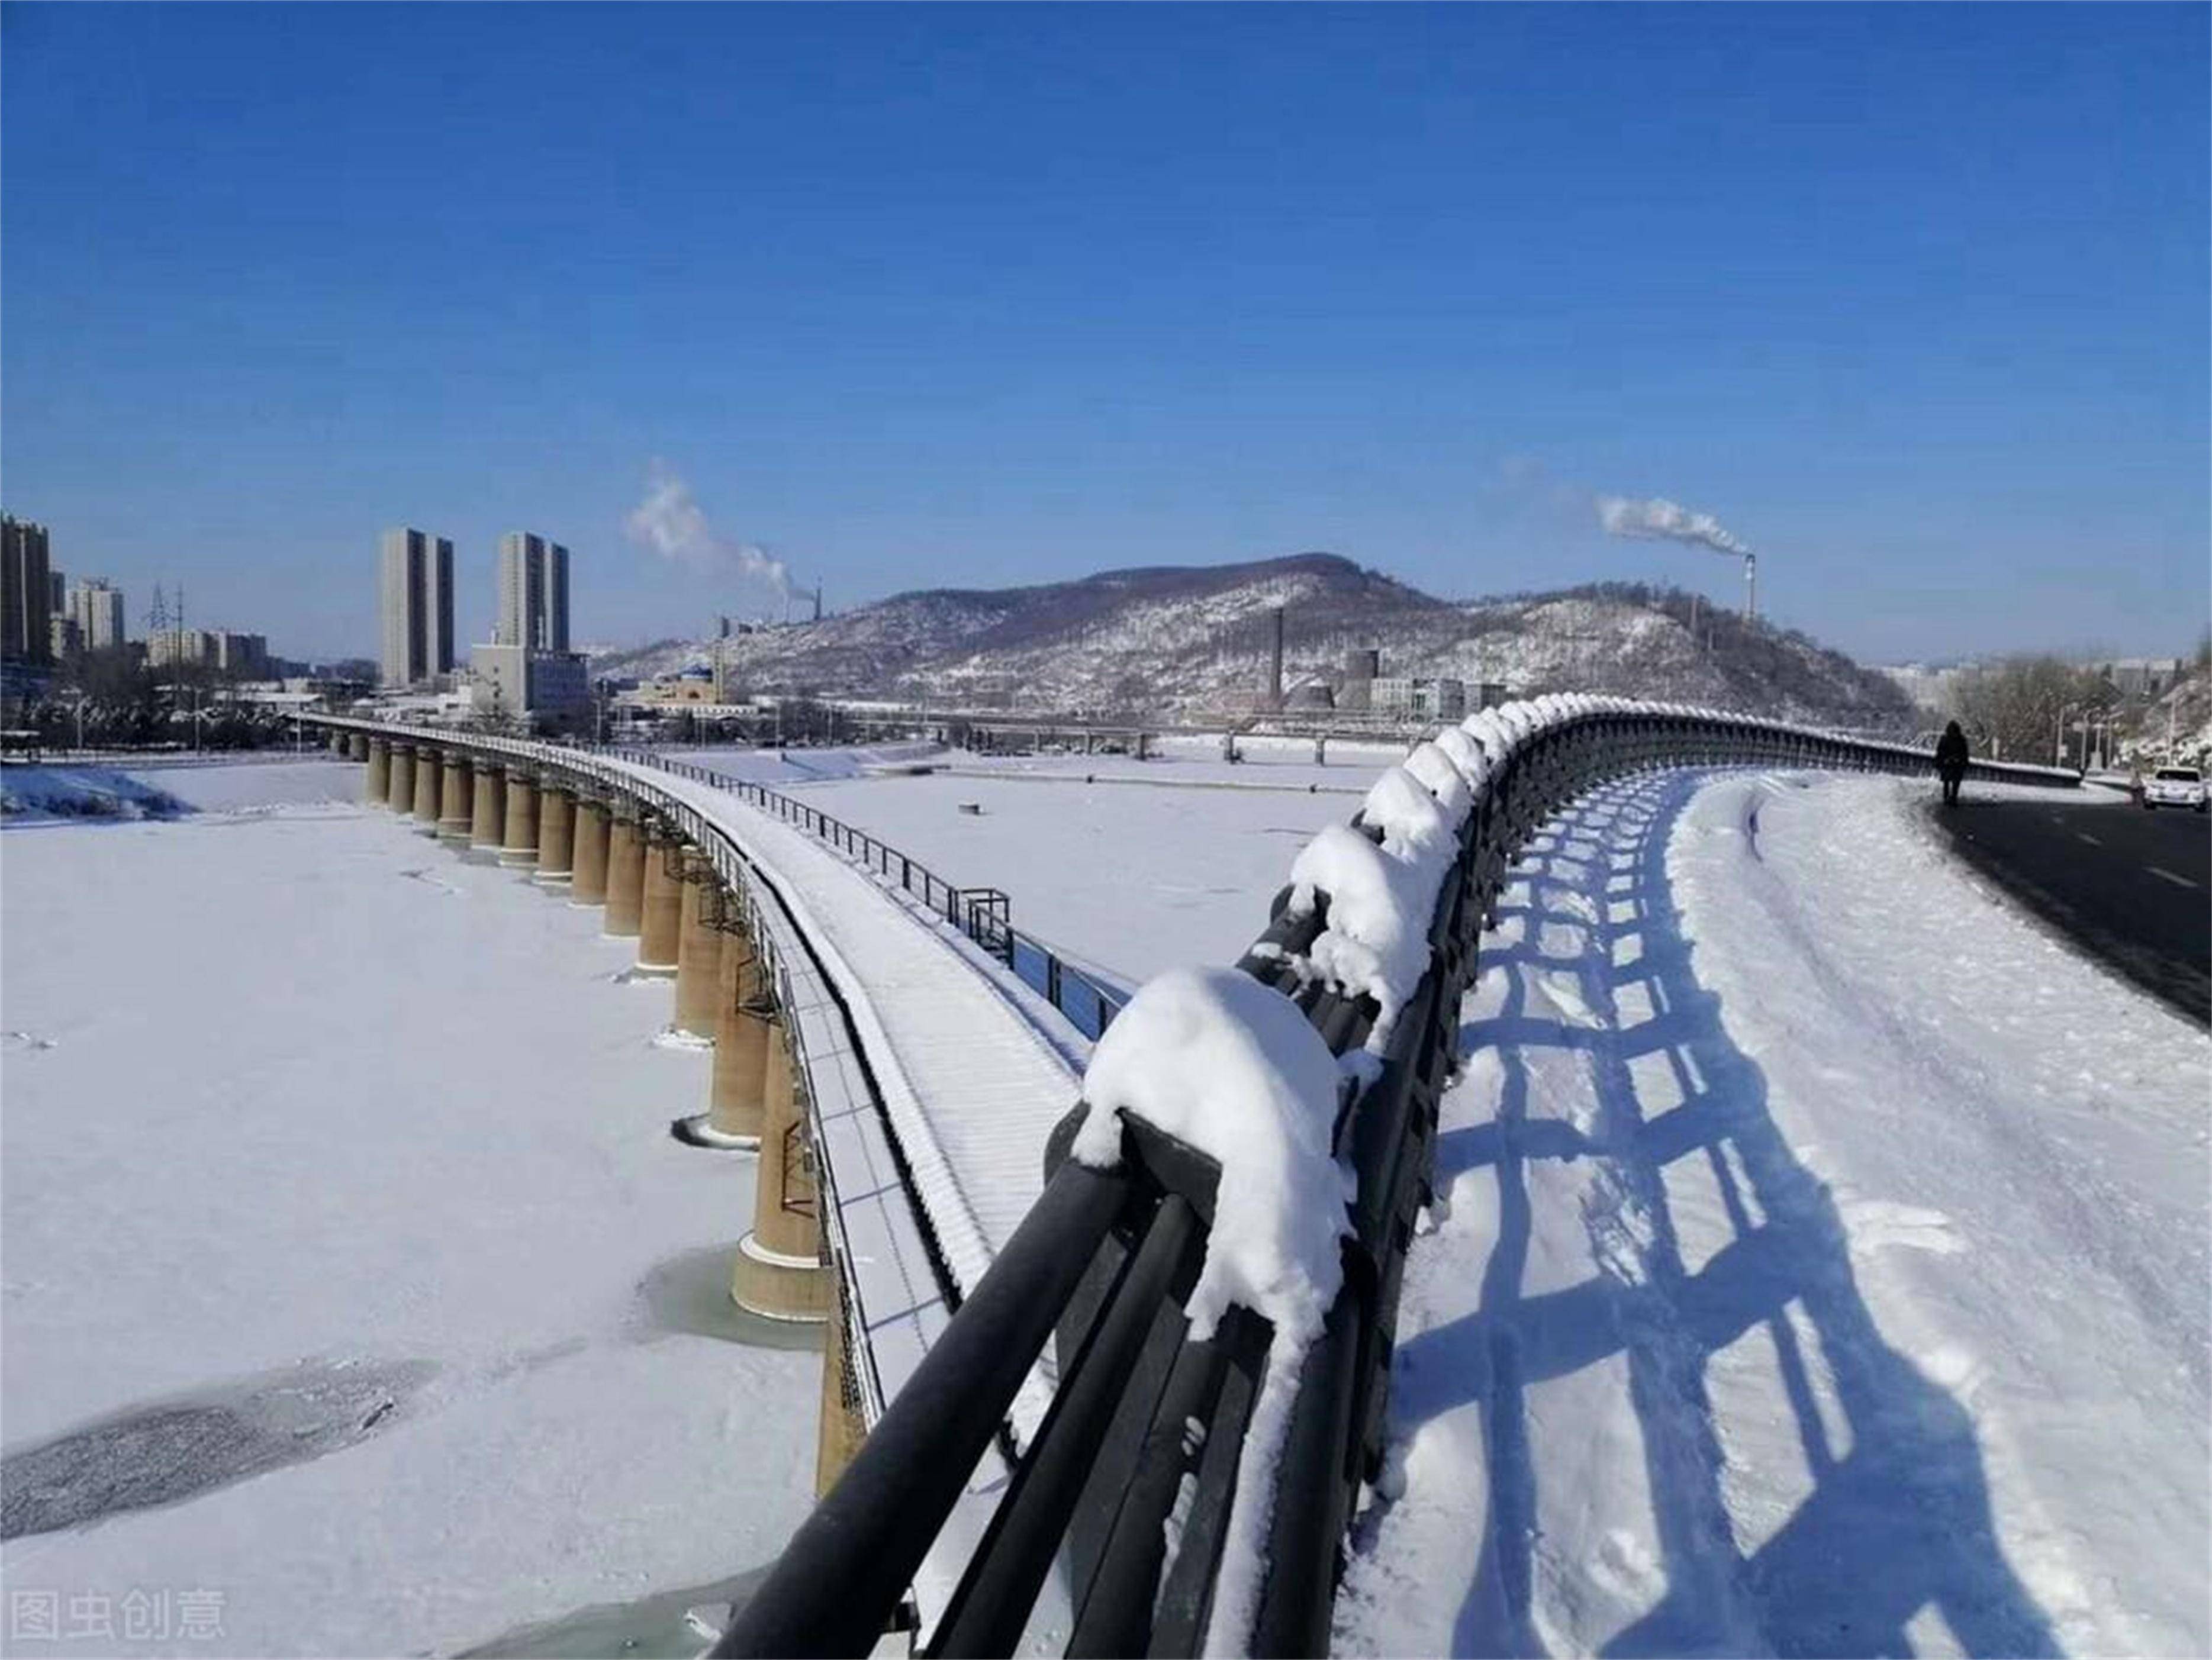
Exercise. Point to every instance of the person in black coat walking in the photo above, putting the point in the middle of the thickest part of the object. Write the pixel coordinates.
(1950, 762)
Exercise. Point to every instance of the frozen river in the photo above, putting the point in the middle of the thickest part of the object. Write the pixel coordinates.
(354, 1289)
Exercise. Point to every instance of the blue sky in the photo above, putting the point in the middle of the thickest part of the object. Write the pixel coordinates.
(1913, 298)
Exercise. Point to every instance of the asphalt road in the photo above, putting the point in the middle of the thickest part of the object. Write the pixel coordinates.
(2132, 888)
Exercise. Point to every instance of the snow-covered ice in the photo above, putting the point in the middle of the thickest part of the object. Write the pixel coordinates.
(1122, 878)
(326, 1137)
(260, 782)
(1820, 1265)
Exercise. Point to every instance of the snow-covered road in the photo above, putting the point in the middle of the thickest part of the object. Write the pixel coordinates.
(1820, 1263)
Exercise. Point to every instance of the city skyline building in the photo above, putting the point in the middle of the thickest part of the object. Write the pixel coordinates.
(97, 608)
(26, 593)
(537, 689)
(533, 593)
(416, 596)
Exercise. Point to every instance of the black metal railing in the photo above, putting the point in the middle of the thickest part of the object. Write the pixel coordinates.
(1101, 1268)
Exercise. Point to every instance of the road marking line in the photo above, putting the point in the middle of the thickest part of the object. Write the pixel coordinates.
(2178, 881)
(2083, 835)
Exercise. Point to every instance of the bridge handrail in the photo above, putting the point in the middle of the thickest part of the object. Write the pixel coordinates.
(1105, 1258)
(982, 913)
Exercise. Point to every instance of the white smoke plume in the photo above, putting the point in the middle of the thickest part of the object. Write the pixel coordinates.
(1660, 520)
(671, 524)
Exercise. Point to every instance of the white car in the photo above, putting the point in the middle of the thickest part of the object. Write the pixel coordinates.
(2174, 786)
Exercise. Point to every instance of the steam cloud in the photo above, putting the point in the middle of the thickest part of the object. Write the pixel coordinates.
(1660, 520)
(672, 525)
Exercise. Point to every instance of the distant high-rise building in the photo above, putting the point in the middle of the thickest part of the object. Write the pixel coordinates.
(533, 593)
(179, 647)
(57, 592)
(26, 593)
(97, 610)
(244, 655)
(417, 596)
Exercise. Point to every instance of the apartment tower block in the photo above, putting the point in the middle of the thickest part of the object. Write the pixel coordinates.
(417, 594)
(533, 593)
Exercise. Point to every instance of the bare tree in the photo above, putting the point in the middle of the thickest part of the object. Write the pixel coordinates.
(2019, 705)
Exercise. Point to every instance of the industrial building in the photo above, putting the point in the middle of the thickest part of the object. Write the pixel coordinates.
(1440, 699)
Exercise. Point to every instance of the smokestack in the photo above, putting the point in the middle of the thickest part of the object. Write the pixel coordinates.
(817, 602)
(1660, 520)
(1275, 662)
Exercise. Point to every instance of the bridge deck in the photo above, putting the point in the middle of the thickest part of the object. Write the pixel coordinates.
(970, 1079)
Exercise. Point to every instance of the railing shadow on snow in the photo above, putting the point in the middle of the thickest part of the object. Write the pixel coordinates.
(1899, 1522)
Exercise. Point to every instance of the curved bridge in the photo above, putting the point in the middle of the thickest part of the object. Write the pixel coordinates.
(1022, 1444)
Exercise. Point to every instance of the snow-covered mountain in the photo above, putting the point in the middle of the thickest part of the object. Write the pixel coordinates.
(1187, 641)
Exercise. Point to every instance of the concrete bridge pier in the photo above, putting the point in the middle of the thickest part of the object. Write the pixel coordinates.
(660, 911)
(625, 874)
(376, 788)
(743, 1021)
(400, 798)
(1321, 750)
(1143, 746)
(518, 847)
(587, 884)
(556, 841)
(357, 746)
(454, 815)
(488, 814)
(779, 1271)
(698, 947)
(427, 776)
